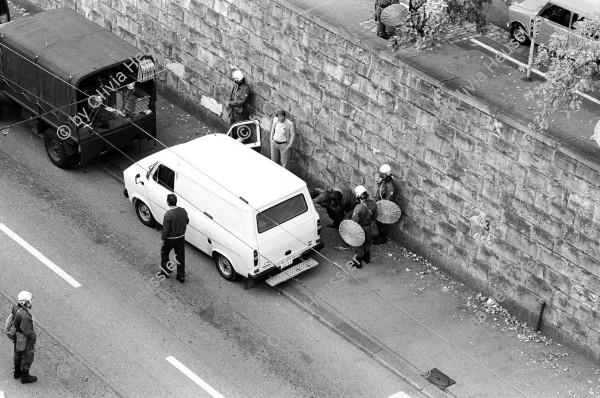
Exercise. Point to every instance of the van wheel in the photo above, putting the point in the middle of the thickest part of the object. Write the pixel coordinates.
(225, 268)
(144, 214)
(55, 148)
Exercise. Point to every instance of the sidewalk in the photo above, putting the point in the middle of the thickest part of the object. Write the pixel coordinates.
(412, 318)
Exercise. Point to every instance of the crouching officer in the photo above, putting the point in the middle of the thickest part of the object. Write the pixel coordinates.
(25, 339)
(386, 190)
(341, 206)
(365, 213)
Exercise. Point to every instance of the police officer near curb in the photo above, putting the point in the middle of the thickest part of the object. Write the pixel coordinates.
(386, 190)
(365, 213)
(173, 237)
(25, 339)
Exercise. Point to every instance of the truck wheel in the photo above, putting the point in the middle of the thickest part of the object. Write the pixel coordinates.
(144, 214)
(225, 268)
(55, 148)
(519, 33)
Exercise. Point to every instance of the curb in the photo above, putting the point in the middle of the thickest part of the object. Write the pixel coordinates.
(335, 321)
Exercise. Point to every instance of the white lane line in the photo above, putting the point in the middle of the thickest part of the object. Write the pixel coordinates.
(492, 49)
(184, 369)
(400, 394)
(39, 256)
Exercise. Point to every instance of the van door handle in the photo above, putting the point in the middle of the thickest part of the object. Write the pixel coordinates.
(288, 252)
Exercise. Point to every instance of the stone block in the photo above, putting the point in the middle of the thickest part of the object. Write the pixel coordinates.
(522, 242)
(504, 147)
(562, 212)
(436, 160)
(581, 205)
(565, 162)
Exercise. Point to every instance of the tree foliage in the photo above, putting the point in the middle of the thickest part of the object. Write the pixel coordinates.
(573, 60)
(427, 19)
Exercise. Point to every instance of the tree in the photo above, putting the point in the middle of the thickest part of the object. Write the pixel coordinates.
(573, 60)
(427, 19)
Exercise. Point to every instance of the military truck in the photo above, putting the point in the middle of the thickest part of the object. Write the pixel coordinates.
(86, 90)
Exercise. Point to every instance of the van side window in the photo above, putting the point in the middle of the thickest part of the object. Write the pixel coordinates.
(281, 213)
(558, 15)
(165, 177)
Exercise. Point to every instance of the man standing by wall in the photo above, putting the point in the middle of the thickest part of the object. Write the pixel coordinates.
(25, 338)
(386, 190)
(365, 213)
(173, 237)
(240, 92)
(282, 139)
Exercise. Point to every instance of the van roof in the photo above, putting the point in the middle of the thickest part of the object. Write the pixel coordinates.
(239, 169)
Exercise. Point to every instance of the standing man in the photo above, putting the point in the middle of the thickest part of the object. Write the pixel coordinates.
(386, 190)
(173, 237)
(282, 138)
(25, 340)
(365, 213)
(240, 92)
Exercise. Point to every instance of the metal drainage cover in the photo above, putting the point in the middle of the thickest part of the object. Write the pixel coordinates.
(439, 379)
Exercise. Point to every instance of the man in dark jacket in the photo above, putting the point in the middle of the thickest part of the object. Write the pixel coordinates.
(240, 92)
(173, 237)
(365, 213)
(23, 321)
(341, 206)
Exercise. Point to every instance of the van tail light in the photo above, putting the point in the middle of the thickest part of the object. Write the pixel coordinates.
(256, 258)
(318, 227)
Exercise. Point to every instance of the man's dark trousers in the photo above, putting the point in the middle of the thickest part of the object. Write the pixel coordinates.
(24, 359)
(179, 245)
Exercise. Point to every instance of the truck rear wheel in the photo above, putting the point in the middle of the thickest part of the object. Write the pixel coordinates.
(55, 148)
(225, 268)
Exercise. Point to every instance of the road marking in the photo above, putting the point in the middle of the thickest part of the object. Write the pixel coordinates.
(400, 394)
(184, 369)
(492, 49)
(39, 256)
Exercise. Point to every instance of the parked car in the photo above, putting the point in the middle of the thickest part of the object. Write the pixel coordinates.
(557, 16)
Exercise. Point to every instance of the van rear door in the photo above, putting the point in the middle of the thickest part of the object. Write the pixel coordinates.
(285, 231)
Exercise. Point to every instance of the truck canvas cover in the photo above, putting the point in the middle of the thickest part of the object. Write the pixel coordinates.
(66, 45)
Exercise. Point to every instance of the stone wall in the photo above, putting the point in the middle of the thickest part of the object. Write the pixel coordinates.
(509, 210)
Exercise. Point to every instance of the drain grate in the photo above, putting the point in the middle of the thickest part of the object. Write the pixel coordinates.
(438, 379)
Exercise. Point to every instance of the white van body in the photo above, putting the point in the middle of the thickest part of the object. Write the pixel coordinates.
(243, 208)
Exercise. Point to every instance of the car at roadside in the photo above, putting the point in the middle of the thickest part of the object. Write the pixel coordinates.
(557, 16)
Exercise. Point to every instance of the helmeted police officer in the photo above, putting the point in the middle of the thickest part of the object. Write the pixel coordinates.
(386, 190)
(365, 213)
(26, 337)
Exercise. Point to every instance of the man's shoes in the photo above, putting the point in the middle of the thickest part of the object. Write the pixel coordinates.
(27, 378)
(383, 35)
(181, 279)
(367, 257)
(18, 373)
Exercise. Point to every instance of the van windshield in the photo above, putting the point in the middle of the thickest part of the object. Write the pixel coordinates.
(281, 213)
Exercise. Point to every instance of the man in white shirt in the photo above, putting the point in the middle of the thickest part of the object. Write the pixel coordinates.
(282, 138)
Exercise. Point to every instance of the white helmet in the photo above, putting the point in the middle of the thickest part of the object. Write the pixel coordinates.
(237, 75)
(24, 296)
(359, 190)
(385, 169)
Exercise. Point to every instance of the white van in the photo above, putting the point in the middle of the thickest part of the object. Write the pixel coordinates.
(250, 214)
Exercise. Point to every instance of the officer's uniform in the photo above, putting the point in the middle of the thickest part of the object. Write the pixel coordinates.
(364, 214)
(385, 191)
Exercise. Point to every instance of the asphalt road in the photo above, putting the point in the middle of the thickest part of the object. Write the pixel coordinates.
(111, 336)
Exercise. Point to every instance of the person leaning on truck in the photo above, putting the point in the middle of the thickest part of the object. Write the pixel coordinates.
(282, 139)
(173, 237)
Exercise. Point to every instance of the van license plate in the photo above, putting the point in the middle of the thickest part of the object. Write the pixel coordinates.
(285, 263)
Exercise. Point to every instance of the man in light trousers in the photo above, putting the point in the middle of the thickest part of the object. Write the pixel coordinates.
(282, 139)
